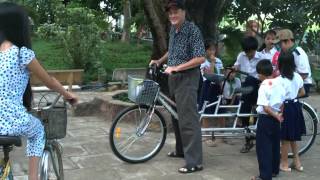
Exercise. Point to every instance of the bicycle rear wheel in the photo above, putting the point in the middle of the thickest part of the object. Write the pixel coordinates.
(310, 119)
(51, 166)
(137, 134)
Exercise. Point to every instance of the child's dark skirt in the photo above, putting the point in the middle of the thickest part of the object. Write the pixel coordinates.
(293, 126)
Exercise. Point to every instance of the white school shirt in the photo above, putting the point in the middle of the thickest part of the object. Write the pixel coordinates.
(291, 87)
(207, 64)
(272, 94)
(302, 63)
(226, 90)
(248, 66)
(269, 54)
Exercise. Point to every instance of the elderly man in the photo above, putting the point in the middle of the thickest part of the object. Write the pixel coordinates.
(185, 54)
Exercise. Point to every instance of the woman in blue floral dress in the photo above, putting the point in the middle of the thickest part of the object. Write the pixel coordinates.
(17, 60)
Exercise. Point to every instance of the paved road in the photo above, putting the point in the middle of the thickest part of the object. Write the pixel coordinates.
(87, 155)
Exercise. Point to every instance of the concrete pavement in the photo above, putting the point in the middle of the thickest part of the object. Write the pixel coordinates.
(87, 155)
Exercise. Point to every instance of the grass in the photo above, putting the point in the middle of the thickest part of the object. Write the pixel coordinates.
(115, 55)
(50, 54)
(126, 55)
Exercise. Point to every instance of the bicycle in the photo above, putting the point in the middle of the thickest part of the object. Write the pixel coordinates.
(50, 165)
(138, 132)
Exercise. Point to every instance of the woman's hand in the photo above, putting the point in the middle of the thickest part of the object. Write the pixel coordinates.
(71, 98)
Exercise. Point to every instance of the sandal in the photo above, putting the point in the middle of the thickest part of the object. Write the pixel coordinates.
(247, 147)
(173, 154)
(255, 178)
(186, 169)
(299, 169)
(285, 169)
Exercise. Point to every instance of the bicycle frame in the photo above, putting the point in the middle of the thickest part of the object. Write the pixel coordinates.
(169, 105)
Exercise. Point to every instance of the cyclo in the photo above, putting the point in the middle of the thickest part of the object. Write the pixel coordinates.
(138, 132)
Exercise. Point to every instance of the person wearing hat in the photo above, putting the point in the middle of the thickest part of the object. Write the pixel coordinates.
(185, 54)
(285, 40)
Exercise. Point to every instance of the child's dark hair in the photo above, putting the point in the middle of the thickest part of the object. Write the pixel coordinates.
(286, 65)
(270, 32)
(209, 43)
(264, 67)
(15, 27)
(249, 43)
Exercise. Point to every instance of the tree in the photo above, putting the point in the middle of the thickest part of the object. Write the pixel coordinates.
(127, 17)
(205, 13)
(296, 15)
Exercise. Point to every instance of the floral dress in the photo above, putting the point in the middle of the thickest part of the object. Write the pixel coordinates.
(14, 118)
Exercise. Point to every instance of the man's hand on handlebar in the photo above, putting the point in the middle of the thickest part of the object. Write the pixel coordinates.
(157, 62)
(171, 69)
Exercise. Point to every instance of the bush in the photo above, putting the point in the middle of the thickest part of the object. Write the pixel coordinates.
(48, 31)
(80, 37)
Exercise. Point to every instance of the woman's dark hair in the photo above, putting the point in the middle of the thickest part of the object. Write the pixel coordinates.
(15, 27)
(286, 65)
(264, 67)
(249, 43)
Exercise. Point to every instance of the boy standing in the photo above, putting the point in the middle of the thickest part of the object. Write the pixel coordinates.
(247, 62)
(270, 98)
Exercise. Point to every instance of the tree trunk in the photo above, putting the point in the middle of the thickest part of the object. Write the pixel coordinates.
(159, 25)
(126, 24)
(205, 14)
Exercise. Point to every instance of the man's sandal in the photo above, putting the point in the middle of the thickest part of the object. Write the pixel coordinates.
(173, 154)
(186, 169)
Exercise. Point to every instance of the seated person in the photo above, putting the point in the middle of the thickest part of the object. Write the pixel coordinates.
(230, 85)
(247, 62)
(209, 91)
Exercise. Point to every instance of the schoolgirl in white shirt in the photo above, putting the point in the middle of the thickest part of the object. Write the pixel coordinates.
(293, 126)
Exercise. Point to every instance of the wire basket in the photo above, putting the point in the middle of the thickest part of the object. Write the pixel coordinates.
(54, 121)
(142, 91)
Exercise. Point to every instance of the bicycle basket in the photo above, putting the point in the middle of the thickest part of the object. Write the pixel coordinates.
(144, 92)
(54, 121)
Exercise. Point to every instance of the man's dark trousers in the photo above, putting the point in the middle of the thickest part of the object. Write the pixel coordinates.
(183, 88)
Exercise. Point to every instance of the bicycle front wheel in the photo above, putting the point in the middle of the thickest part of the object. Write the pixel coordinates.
(310, 119)
(137, 134)
(51, 166)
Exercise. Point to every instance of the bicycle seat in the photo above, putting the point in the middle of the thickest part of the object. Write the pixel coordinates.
(10, 140)
(243, 90)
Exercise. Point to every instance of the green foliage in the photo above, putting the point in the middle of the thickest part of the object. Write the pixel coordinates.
(115, 54)
(293, 14)
(125, 55)
(81, 39)
(232, 45)
(50, 53)
(48, 31)
(312, 42)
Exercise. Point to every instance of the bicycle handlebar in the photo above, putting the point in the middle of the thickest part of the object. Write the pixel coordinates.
(238, 71)
(54, 102)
